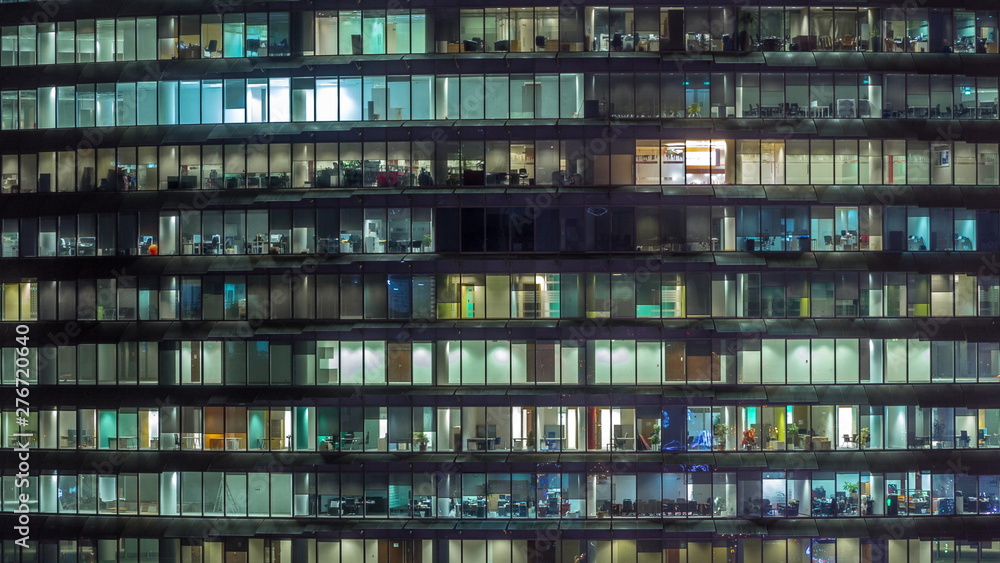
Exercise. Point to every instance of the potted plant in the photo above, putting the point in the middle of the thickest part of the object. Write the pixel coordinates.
(654, 440)
(719, 432)
(420, 439)
(874, 43)
(793, 508)
(749, 438)
(694, 110)
(531, 440)
(427, 241)
(864, 437)
(851, 488)
(748, 24)
(791, 435)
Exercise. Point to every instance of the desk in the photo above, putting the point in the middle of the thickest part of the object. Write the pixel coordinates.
(191, 442)
(192, 52)
(348, 442)
(554, 444)
(772, 111)
(399, 245)
(15, 441)
(822, 507)
(519, 443)
(482, 444)
(128, 442)
(821, 443)
(917, 505)
(623, 443)
(234, 444)
(771, 44)
(819, 111)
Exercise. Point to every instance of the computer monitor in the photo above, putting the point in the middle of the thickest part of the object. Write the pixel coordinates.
(486, 431)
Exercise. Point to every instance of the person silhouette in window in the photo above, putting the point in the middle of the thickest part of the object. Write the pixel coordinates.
(424, 178)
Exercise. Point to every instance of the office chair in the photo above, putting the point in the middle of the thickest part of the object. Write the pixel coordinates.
(213, 47)
(620, 442)
(253, 46)
(551, 442)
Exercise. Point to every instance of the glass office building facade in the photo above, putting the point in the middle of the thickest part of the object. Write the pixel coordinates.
(314, 282)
